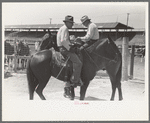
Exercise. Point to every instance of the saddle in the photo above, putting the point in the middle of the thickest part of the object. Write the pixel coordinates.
(62, 65)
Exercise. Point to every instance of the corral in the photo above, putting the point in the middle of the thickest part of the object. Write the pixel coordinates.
(32, 34)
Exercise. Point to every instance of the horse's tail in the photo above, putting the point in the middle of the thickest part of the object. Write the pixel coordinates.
(31, 79)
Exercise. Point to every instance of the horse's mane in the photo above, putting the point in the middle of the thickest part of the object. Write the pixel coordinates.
(106, 41)
(49, 42)
(44, 43)
(113, 45)
(105, 48)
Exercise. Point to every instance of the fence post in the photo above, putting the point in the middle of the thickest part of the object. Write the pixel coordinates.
(125, 59)
(132, 62)
(15, 56)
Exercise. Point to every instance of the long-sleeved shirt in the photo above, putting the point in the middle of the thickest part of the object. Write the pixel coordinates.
(63, 37)
(92, 33)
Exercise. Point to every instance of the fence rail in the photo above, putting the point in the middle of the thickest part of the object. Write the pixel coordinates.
(15, 63)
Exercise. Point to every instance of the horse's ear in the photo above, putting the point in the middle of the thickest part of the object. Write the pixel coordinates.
(49, 33)
(109, 38)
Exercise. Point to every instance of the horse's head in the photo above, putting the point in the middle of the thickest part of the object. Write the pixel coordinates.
(111, 49)
(112, 46)
(48, 42)
(18, 46)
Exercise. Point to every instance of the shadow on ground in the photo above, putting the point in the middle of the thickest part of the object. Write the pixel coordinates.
(90, 98)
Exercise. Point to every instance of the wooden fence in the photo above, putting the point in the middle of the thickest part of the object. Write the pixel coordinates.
(14, 63)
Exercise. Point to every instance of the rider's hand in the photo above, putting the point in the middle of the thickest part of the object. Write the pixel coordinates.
(71, 44)
(77, 39)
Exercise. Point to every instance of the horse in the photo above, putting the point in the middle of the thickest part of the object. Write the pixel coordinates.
(23, 50)
(105, 55)
(9, 49)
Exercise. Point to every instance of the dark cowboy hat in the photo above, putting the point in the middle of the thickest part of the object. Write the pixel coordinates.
(68, 18)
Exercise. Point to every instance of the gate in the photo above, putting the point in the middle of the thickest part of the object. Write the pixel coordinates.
(15, 63)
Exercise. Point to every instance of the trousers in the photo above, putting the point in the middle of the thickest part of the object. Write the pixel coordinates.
(77, 64)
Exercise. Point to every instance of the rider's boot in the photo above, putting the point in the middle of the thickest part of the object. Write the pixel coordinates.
(67, 92)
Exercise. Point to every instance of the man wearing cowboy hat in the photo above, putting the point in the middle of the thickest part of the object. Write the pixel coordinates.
(63, 42)
(92, 31)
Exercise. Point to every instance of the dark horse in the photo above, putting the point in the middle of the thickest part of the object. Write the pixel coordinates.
(23, 49)
(104, 56)
(9, 49)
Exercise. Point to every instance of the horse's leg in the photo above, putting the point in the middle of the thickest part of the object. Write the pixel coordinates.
(22, 60)
(83, 90)
(25, 64)
(72, 93)
(120, 91)
(113, 90)
(118, 77)
(113, 80)
(40, 88)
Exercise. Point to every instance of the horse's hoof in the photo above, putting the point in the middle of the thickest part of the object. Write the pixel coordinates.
(66, 96)
(81, 99)
(120, 99)
(71, 98)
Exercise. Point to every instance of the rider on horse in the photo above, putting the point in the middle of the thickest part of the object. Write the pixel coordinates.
(64, 44)
(92, 34)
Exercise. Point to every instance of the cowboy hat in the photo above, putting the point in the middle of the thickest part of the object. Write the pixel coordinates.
(84, 18)
(68, 18)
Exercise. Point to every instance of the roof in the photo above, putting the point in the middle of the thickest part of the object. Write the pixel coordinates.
(138, 40)
(114, 25)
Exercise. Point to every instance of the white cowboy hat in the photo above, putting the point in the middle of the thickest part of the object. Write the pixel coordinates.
(84, 18)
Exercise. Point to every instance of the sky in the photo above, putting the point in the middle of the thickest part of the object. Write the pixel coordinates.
(22, 13)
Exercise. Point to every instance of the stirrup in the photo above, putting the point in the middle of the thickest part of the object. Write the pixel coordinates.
(80, 83)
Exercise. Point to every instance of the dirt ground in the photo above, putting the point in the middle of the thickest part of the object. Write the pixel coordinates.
(15, 87)
(96, 106)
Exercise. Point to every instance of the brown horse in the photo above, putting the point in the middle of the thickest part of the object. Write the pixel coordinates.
(104, 56)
